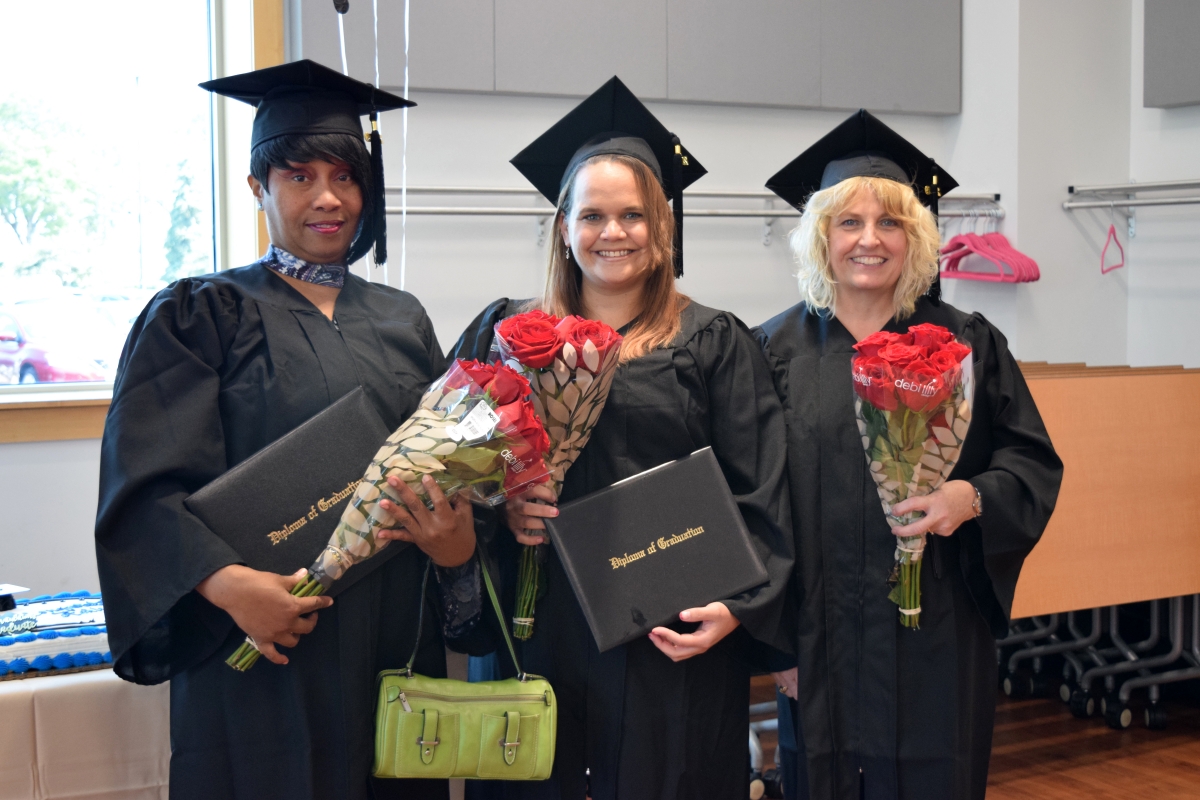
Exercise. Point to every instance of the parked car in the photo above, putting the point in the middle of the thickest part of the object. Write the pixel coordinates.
(57, 339)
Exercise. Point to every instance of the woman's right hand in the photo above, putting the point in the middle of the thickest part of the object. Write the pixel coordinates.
(524, 513)
(262, 605)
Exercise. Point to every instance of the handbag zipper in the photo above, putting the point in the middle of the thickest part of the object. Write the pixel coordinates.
(543, 698)
(506, 698)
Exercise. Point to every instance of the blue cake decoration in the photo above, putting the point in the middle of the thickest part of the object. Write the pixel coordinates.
(64, 631)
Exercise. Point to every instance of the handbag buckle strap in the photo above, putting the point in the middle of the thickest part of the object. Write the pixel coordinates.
(512, 736)
(429, 738)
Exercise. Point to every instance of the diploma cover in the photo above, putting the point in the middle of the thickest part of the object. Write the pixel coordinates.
(279, 507)
(642, 550)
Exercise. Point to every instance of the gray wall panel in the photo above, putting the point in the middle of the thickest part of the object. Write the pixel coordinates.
(452, 44)
(450, 47)
(1172, 58)
(572, 46)
(319, 38)
(880, 54)
(759, 51)
(892, 56)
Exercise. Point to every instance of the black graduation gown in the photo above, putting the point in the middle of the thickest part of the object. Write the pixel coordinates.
(646, 727)
(216, 368)
(911, 709)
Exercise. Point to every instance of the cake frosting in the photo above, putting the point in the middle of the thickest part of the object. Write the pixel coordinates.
(62, 631)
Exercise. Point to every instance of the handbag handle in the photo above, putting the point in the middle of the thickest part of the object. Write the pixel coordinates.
(487, 581)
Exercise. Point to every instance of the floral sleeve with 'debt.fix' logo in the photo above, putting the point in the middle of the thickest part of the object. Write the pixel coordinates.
(914, 394)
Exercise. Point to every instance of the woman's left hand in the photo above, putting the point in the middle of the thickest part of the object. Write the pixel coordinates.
(446, 534)
(945, 510)
(716, 622)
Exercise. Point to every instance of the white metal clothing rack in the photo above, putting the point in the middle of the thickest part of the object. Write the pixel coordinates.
(768, 214)
(1124, 197)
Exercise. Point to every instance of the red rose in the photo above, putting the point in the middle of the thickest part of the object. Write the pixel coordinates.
(871, 345)
(567, 324)
(481, 374)
(508, 386)
(531, 338)
(602, 337)
(900, 355)
(930, 336)
(528, 443)
(921, 386)
(463, 373)
(957, 349)
(873, 382)
(943, 360)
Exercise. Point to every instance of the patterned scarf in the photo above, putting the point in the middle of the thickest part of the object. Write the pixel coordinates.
(285, 263)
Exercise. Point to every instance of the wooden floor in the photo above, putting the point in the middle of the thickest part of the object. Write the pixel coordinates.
(1041, 752)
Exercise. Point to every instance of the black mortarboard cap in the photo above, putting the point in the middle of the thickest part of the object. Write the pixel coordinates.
(611, 121)
(307, 98)
(862, 146)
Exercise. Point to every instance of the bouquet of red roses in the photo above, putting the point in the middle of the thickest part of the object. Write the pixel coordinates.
(570, 364)
(913, 408)
(475, 431)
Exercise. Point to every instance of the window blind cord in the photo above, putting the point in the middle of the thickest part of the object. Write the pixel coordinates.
(404, 163)
(375, 14)
(342, 40)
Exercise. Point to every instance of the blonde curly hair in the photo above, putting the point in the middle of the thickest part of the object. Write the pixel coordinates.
(810, 242)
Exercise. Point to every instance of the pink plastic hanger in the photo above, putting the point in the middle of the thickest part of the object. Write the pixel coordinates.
(1110, 239)
(966, 244)
(1026, 268)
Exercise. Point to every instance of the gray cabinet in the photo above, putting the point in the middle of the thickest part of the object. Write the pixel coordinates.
(761, 52)
(885, 55)
(1172, 59)
(892, 56)
(573, 46)
(450, 41)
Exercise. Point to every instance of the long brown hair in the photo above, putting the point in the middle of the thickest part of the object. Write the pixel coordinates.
(658, 323)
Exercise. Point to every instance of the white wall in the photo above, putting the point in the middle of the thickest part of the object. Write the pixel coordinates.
(1164, 263)
(47, 509)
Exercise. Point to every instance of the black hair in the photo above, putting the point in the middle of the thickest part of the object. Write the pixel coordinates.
(283, 151)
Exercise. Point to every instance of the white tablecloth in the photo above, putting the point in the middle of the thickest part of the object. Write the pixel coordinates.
(86, 736)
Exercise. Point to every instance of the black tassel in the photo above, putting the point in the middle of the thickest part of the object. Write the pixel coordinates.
(935, 289)
(379, 209)
(677, 204)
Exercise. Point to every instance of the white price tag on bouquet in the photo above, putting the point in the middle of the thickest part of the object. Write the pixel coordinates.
(479, 422)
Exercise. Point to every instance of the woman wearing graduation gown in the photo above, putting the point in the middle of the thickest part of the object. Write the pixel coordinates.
(888, 711)
(665, 716)
(216, 368)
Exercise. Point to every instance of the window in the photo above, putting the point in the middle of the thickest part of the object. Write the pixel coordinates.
(106, 176)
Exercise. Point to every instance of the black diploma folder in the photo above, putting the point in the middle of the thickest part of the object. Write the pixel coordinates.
(642, 550)
(278, 508)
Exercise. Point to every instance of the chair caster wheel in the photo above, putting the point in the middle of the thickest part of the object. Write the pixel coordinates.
(1155, 717)
(1039, 685)
(1117, 714)
(1019, 683)
(1082, 704)
(1068, 686)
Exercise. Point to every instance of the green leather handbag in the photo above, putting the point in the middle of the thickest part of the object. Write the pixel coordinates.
(443, 728)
